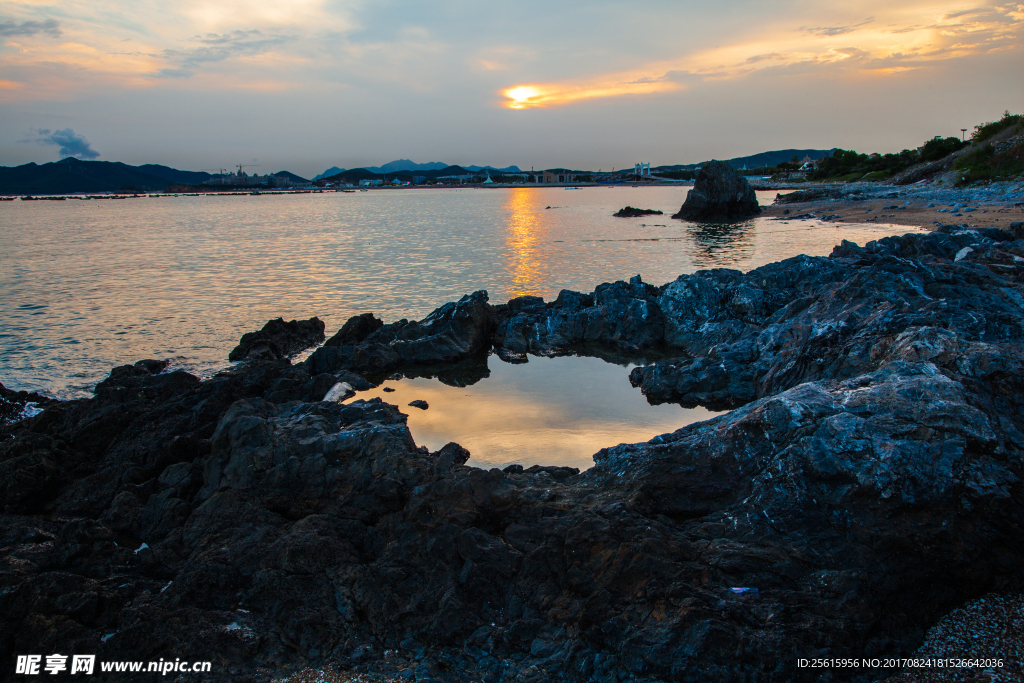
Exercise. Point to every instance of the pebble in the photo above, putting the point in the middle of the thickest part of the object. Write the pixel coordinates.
(991, 627)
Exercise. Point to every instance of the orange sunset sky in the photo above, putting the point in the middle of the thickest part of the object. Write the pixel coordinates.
(307, 84)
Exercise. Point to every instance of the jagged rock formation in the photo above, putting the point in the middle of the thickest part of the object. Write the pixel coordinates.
(719, 194)
(279, 339)
(15, 404)
(451, 333)
(869, 481)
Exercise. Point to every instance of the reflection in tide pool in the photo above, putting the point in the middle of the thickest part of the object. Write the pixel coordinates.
(549, 411)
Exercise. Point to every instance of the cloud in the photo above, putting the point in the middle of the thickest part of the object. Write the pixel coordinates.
(835, 30)
(30, 28)
(761, 58)
(544, 95)
(218, 47)
(71, 144)
(912, 38)
(173, 73)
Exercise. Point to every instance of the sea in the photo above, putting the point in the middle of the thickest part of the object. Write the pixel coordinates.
(86, 285)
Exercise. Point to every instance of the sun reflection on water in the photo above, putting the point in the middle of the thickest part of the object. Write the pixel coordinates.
(521, 242)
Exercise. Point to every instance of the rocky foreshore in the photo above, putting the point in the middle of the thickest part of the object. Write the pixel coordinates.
(992, 205)
(866, 482)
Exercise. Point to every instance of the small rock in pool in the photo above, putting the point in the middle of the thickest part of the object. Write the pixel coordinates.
(388, 389)
(419, 403)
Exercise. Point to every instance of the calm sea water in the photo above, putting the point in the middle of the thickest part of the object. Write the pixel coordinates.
(87, 285)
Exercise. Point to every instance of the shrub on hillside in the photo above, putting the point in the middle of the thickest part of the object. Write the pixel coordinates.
(939, 148)
(984, 131)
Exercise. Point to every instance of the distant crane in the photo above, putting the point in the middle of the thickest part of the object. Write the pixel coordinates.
(241, 166)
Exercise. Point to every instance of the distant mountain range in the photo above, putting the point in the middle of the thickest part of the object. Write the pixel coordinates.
(406, 167)
(74, 175)
(354, 175)
(402, 165)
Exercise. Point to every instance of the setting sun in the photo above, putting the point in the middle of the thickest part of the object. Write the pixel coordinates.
(521, 96)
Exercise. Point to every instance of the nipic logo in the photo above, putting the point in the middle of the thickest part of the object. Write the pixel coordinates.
(34, 665)
(55, 663)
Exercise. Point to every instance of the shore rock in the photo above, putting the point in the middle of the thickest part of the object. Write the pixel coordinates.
(719, 194)
(279, 339)
(620, 315)
(17, 405)
(631, 212)
(870, 480)
(355, 330)
(451, 333)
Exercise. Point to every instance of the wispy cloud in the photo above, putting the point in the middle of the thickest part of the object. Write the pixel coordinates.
(218, 47)
(49, 27)
(835, 30)
(71, 144)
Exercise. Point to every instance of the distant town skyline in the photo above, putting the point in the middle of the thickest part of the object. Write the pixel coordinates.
(305, 85)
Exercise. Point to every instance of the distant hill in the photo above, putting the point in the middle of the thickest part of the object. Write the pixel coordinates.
(354, 175)
(333, 170)
(291, 176)
(507, 169)
(777, 157)
(757, 160)
(406, 165)
(400, 166)
(74, 175)
(174, 175)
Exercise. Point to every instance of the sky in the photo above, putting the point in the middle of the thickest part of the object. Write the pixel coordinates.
(304, 85)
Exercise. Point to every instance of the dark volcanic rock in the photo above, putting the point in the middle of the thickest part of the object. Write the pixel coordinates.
(811, 318)
(869, 481)
(719, 194)
(419, 403)
(355, 330)
(619, 314)
(631, 212)
(451, 333)
(16, 405)
(279, 339)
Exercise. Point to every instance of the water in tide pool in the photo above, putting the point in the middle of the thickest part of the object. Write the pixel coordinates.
(552, 411)
(87, 285)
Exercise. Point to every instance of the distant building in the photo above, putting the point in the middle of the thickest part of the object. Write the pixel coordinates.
(419, 179)
(558, 175)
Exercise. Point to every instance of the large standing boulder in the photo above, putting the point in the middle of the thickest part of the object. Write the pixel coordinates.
(719, 194)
